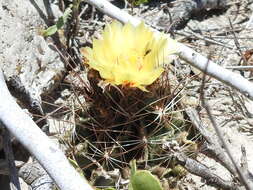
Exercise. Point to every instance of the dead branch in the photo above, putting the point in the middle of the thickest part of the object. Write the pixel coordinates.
(211, 146)
(37, 143)
(14, 181)
(213, 149)
(182, 11)
(201, 170)
(248, 183)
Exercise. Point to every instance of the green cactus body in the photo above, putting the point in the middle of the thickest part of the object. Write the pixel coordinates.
(142, 179)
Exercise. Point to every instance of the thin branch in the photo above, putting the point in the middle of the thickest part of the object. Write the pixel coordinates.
(8, 152)
(37, 143)
(243, 179)
(197, 60)
(109, 9)
(203, 171)
(234, 80)
(211, 146)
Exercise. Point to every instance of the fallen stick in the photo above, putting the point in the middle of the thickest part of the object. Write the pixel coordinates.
(195, 59)
(206, 173)
(8, 152)
(37, 143)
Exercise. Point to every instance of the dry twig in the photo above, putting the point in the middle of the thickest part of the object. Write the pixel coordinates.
(201, 170)
(14, 181)
(37, 143)
(248, 183)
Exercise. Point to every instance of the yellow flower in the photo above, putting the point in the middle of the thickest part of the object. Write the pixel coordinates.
(129, 56)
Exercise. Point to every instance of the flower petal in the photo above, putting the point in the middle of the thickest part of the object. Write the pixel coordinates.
(128, 55)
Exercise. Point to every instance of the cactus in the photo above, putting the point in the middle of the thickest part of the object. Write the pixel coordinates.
(143, 179)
